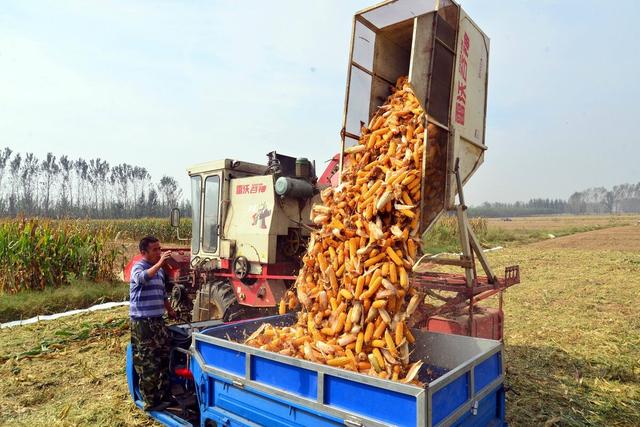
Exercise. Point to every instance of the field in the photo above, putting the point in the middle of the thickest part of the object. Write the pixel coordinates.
(498, 232)
(48, 266)
(572, 340)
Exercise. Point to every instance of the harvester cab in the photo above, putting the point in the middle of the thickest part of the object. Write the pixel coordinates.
(249, 228)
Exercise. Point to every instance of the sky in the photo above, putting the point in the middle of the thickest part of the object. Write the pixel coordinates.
(167, 84)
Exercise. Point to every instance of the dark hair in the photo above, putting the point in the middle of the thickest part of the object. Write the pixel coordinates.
(145, 242)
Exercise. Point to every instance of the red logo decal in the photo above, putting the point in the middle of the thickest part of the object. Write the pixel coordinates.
(461, 97)
(251, 189)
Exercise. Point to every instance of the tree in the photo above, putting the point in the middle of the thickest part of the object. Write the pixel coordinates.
(608, 201)
(59, 186)
(66, 198)
(152, 202)
(81, 168)
(4, 158)
(28, 180)
(97, 176)
(170, 193)
(14, 169)
(139, 176)
(50, 170)
(120, 177)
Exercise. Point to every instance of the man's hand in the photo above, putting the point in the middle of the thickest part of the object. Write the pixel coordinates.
(158, 265)
(163, 257)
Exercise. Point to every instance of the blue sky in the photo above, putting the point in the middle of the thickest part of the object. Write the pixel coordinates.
(165, 84)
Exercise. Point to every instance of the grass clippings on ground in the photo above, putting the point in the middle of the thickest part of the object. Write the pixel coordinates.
(78, 294)
(572, 336)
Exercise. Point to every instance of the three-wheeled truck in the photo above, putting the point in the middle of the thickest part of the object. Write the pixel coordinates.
(250, 223)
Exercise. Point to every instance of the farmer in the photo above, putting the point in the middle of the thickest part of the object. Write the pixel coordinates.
(149, 337)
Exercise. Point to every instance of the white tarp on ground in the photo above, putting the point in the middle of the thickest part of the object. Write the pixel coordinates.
(103, 306)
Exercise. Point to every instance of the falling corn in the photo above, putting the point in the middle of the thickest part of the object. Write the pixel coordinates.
(353, 289)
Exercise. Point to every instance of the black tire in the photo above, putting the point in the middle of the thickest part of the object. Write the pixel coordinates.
(216, 301)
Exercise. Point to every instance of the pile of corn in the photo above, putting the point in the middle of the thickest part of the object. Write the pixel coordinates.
(354, 286)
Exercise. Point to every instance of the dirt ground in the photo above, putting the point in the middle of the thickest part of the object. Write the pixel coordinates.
(557, 222)
(615, 238)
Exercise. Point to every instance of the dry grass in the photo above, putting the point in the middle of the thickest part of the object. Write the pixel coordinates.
(67, 372)
(573, 337)
(443, 236)
(572, 350)
(618, 238)
(560, 222)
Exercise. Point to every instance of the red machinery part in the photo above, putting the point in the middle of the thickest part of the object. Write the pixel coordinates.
(330, 174)
(487, 323)
(453, 317)
(173, 267)
(262, 293)
(183, 373)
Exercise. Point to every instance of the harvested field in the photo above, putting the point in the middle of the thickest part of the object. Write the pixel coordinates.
(560, 222)
(67, 372)
(617, 238)
(572, 348)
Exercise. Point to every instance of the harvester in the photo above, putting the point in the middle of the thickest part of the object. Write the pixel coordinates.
(250, 227)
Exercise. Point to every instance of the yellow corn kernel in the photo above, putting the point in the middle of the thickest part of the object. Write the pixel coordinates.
(333, 257)
(379, 358)
(368, 333)
(327, 331)
(346, 294)
(380, 303)
(399, 332)
(404, 277)
(373, 288)
(385, 269)
(393, 273)
(374, 260)
(408, 213)
(393, 256)
(359, 342)
(333, 280)
(340, 323)
(408, 179)
(353, 247)
(409, 134)
(409, 336)
(359, 287)
(348, 323)
(391, 345)
(339, 361)
(379, 330)
(322, 262)
(411, 248)
(406, 199)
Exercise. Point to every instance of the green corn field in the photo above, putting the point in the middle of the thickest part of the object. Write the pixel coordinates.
(129, 230)
(36, 253)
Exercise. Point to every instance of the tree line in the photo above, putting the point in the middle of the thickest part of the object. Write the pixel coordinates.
(624, 198)
(67, 187)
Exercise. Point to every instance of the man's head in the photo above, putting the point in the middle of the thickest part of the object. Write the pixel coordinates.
(150, 248)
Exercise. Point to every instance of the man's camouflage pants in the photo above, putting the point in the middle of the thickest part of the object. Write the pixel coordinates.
(150, 345)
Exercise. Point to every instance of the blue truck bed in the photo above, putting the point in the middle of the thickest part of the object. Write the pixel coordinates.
(239, 385)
